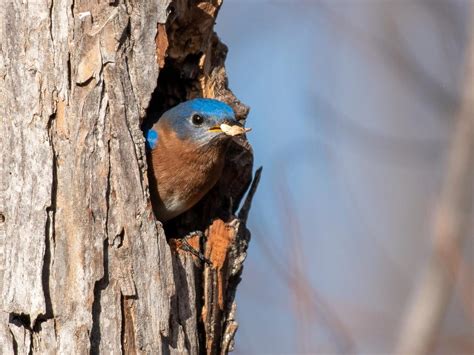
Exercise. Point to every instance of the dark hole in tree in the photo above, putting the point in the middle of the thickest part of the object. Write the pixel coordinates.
(20, 319)
(178, 81)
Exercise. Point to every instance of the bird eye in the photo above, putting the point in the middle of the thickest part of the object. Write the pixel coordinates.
(197, 119)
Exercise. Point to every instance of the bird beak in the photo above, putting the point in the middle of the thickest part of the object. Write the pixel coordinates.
(229, 130)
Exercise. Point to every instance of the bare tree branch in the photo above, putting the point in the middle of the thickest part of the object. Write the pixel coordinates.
(424, 315)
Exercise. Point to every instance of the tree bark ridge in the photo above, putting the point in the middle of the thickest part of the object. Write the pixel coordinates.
(85, 267)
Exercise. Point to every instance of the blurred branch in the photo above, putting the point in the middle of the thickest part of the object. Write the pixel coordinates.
(429, 88)
(307, 301)
(399, 150)
(424, 315)
(314, 302)
(466, 287)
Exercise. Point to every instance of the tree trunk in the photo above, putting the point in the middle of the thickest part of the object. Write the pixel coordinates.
(84, 265)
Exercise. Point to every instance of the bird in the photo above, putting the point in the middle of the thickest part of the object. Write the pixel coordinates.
(187, 150)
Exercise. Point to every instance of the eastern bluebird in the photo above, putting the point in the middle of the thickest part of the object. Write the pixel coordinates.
(187, 147)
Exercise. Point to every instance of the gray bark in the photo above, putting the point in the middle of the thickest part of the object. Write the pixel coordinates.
(84, 265)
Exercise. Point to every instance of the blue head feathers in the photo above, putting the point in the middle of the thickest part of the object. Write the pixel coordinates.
(187, 149)
(208, 107)
(196, 120)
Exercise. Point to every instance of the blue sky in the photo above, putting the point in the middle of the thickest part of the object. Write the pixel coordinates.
(353, 149)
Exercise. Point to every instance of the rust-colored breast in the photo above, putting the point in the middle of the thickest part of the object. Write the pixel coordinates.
(182, 173)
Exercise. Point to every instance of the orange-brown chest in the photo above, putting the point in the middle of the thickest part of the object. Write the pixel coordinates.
(183, 172)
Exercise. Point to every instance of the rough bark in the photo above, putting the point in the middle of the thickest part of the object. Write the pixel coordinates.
(84, 265)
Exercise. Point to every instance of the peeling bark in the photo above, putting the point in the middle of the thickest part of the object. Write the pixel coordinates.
(84, 265)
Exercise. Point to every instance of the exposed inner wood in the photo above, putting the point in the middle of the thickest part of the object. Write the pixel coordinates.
(84, 265)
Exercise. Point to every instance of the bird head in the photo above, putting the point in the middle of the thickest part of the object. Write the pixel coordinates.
(200, 121)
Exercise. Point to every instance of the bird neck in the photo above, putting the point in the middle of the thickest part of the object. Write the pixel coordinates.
(184, 172)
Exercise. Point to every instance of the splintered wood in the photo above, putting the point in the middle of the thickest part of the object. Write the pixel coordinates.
(161, 42)
(220, 242)
(225, 247)
(84, 265)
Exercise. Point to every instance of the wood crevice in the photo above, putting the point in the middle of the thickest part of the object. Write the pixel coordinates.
(95, 260)
(99, 286)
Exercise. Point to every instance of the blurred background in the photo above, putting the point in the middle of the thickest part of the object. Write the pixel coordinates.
(353, 110)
